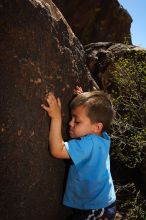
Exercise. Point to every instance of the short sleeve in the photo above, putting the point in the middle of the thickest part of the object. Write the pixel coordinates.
(79, 149)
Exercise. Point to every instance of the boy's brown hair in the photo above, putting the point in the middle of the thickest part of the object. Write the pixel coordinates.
(98, 105)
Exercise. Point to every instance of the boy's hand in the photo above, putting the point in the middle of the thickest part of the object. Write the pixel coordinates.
(54, 106)
(78, 90)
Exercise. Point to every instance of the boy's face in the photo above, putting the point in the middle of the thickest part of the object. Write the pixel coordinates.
(80, 124)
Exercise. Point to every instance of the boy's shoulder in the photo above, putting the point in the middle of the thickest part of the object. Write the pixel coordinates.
(103, 137)
(91, 139)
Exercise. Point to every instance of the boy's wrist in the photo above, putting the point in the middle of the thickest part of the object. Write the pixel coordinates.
(56, 119)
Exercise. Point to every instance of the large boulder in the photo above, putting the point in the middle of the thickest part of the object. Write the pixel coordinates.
(38, 53)
(97, 20)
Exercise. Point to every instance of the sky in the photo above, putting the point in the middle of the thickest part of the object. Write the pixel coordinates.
(137, 10)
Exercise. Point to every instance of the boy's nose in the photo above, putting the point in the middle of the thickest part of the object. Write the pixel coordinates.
(71, 123)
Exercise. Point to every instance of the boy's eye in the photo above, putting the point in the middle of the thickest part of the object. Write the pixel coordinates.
(77, 122)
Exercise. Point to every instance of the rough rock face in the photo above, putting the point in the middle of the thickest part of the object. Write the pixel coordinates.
(97, 20)
(38, 53)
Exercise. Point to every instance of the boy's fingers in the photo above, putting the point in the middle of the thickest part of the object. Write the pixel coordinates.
(51, 98)
(48, 95)
(78, 90)
(59, 102)
(44, 107)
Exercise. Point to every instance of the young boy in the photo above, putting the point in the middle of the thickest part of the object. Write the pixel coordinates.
(89, 189)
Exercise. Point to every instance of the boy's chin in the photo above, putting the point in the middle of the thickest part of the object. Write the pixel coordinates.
(72, 135)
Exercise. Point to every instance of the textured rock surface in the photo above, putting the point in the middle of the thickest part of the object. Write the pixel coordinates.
(97, 20)
(38, 53)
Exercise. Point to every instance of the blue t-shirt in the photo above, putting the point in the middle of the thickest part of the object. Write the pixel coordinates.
(89, 184)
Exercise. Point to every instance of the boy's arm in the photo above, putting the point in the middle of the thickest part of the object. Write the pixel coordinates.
(56, 143)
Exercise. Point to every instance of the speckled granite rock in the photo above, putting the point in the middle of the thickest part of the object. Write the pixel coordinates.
(38, 53)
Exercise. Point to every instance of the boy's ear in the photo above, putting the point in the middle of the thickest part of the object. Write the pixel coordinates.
(98, 127)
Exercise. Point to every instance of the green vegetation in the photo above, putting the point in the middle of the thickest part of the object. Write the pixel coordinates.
(129, 126)
(128, 129)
